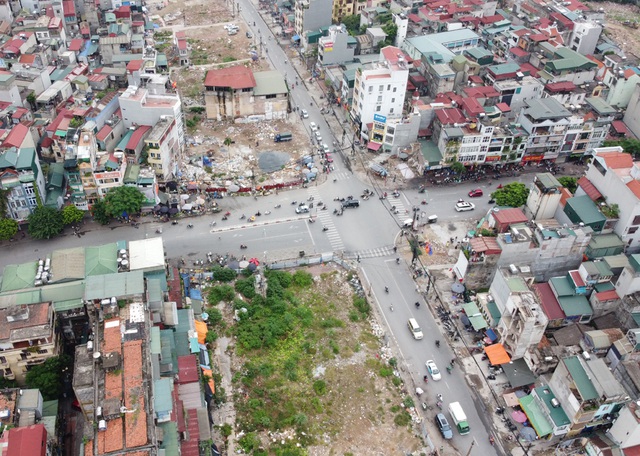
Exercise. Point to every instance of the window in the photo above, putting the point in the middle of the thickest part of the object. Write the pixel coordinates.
(43, 351)
(388, 86)
(391, 111)
(380, 99)
(394, 89)
(632, 230)
(32, 201)
(378, 108)
(29, 190)
(636, 220)
(380, 88)
(393, 100)
(370, 89)
(518, 90)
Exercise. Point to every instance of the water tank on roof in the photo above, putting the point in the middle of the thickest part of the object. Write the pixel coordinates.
(102, 425)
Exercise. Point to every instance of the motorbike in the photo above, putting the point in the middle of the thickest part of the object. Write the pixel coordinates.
(426, 379)
(252, 218)
(293, 203)
(224, 217)
(438, 343)
(277, 206)
(325, 229)
(227, 214)
(243, 217)
(159, 231)
(267, 212)
(175, 222)
(311, 220)
(190, 225)
(491, 377)
(417, 305)
(258, 214)
(397, 260)
(242, 246)
(439, 404)
(386, 289)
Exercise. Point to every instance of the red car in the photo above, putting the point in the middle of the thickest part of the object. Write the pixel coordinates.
(476, 192)
(329, 158)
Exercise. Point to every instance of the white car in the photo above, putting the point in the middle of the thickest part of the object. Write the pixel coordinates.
(312, 125)
(302, 209)
(325, 148)
(305, 114)
(433, 370)
(318, 136)
(464, 206)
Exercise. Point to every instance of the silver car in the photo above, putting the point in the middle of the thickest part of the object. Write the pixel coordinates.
(463, 206)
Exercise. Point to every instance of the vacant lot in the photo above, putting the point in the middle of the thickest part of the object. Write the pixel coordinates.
(616, 15)
(311, 376)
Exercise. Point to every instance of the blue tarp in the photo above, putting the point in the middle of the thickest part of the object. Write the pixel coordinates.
(295, 37)
(186, 282)
(194, 293)
(491, 335)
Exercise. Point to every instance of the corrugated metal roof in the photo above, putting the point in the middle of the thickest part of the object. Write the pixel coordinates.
(110, 285)
(269, 83)
(162, 400)
(580, 378)
(187, 369)
(101, 260)
(154, 341)
(548, 301)
(170, 443)
(590, 189)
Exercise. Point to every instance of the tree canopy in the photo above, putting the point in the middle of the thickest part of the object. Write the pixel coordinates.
(99, 212)
(45, 223)
(458, 167)
(8, 228)
(48, 376)
(72, 215)
(630, 145)
(568, 182)
(123, 199)
(352, 23)
(513, 195)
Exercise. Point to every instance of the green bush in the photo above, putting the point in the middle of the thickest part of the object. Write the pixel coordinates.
(223, 274)
(408, 402)
(226, 429)
(320, 387)
(215, 317)
(220, 293)
(302, 279)
(386, 372)
(402, 419)
(362, 305)
(249, 442)
(211, 337)
(246, 287)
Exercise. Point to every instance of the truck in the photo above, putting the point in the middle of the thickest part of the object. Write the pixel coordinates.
(459, 418)
(282, 137)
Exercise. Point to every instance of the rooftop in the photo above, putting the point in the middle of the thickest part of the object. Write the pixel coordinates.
(235, 77)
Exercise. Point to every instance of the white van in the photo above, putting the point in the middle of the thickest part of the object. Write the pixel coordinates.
(415, 329)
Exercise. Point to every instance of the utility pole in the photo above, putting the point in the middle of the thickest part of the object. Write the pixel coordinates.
(473, 442)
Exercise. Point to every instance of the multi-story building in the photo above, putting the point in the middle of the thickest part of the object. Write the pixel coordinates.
(632, 114)
(522, 321)
(616, 178)
(585, 36)
(544, 197)
(140, 107)
(568, 65)
(27, 335)
(546, 122)
(163, 147)
(312, 15)
(587, 392)
(515, 92)
(337, 47)
(380, 89)
(21, 175)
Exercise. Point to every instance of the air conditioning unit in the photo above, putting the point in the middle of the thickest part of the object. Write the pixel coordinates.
(555, 403)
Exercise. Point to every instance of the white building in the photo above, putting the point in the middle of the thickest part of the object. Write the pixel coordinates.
(515, 92)
(380, 89)
(614, 174)
(163, 147)
(632, 114)
(312, 15)
(585, 37)
(402, 22)
(625, 430)
(140, 107)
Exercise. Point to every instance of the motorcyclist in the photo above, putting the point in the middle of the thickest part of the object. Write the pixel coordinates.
(438, 343)
(386, 289)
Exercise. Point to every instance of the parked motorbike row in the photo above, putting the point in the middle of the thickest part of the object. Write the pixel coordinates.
(447, 323)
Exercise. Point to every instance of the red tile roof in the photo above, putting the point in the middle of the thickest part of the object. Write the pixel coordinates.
(592, 192)
(617, 160)
(137, 136)
(577, 279)
(518, 52)
(182, 45)
(235, 77)
(481, 92)
(548, 301)
(190, 447)
(28, 440)
(76, 45)
(528, 68)
(449, 116)
(620, 127)
(392, 54)
(414, 18)
(506, 217)
(103, 133)
(486, 245)
(19, 112)
(16, 136)
(559, 87)
(187, 369)
(134, 65)
(564, 20)
(27, 59)
(134, 395)
(471, 106)
(503, 107)
(634, 186)
(69, 8)
(609, 295)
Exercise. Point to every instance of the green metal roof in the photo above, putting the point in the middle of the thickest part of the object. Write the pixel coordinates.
(50, 408)
(101, 260)
(154, 290)
(492, 307)
(154, 338)
(19, 276)
(122, 145)
(269, 83)
(158, 276)
(26, 158)
(162, 399)
(548, 180)
(575, 305)
(430, 152)
(9, 158)
(600, 105)
(110, 285)
(605, 241)
(567, 59)
(504, 68)
(536, 416)
(65, 291)
(182, 332)
(562, 286)
(557, 414)
(580, 378)
(169, 437)
(131, 174)
(70, 304)
(161, 60)
(168, 354)
(585, 208)
(517, 284)
(475, 317)
(606, 286)
(545, 108)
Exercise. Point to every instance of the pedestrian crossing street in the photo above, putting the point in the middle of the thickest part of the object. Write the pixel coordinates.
(403, 212)
(371, 253)
(340, 175)
(325, 218)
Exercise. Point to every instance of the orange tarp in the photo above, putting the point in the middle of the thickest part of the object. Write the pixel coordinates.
(210, 374)
(497, 354)
(201, 329)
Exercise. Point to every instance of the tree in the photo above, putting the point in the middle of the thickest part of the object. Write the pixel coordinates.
(99, 212)
(45, 223)
(48, 376)
(123, 199)
(72, 215)
(391, 30)
(513, 195)
(352, 23)
(227, 141)
(570, 183)
(630, 146)
(4, 201)
(31, 99)
(458, 167)
(8, 228)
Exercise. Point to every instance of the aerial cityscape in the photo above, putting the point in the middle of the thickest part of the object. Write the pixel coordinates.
(319, 227)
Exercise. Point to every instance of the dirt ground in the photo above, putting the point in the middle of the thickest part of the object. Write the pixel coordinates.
(616, 14)
(356, 415)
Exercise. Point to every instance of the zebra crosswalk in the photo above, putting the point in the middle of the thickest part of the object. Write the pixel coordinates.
(371, 253)
(326, 219)
(340, 175)
(401, 210)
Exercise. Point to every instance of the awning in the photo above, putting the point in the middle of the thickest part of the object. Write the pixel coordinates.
(497, 354)
(475, 317)
(536, 416)
(518, 373)
(491, 334)
(374, 146)
(201, 329)
(295, 37)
